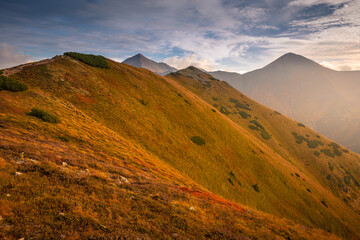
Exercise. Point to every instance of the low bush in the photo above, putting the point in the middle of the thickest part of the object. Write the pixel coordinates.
(253, 127)
(64, 138)
(224, 110)
(317, 153)
(240, 105)
(10, 84)
(143, 102)
(255, 122)
(90, 59)
(301, 125)
(45, 116)
(256, 188)
(347, 180)
(314, 143)
(265, 135)
(324, 203)
(230, 181)
(328, 152)
(198, 140)
(244, 115)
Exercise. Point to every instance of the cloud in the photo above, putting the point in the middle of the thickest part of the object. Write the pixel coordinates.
(229, 34)
(190, 60)
(10, 56)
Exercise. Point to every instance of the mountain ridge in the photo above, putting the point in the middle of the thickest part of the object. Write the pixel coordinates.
(141, 61)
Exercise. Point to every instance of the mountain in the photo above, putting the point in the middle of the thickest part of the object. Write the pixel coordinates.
(95, 149)
(142, 62)
(323, 99)
(229, 77)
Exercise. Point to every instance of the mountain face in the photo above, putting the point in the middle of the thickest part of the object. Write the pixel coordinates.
(323, 99)
(140, 61)
(91, 152)
(228, 77)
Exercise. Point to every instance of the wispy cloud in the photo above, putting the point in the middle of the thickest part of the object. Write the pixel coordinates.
(227, 34)
(11, 56)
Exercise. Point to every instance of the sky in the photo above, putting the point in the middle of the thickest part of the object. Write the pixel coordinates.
(230, 35)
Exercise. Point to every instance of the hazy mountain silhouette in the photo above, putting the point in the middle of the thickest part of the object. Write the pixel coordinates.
(324, 99)
(141, 61)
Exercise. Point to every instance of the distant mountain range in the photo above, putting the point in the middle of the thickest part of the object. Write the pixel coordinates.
(324, 99)
(141, 61)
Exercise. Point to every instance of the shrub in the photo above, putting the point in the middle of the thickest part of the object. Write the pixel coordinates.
(244, 115)
(198, 140)
(215, 98)
(317, 153)
(143, 102)
(308, 190)
(11, 84)
(253, 127)
(255, 122)
(314, 143)
(256, 188)
(297, 174)
(1, 72)
(213, 110)
(328, 152)
(224, 110)
(45, 116)
(331, 167)
(345, 151)
(324, 203)
(233, 100)
(92, 60)
(265, 135)
(64, 138)
(230, 181)
(301, 125)
(240, 105)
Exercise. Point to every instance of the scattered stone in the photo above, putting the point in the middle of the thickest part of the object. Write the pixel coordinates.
(102, 226)
(8, 195)
(192, 209)
(124, 179)
(64, 164)
(21, 239)
(18, 173)
(132, 197)
(1, 218)
(61, 214)
(21, 155)
(174, 235)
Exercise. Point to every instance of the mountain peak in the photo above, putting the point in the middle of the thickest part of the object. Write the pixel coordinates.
(293, 60)
(141, 61)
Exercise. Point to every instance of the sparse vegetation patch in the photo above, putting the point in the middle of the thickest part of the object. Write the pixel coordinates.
(198, 140)
(10, 84)
(90, 59)
(244, 115)
(45, 116)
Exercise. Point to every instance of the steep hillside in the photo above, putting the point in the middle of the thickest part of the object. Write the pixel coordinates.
(229, 77)
(141, 61)
(324, 99)
(128, 153)
(311, 158)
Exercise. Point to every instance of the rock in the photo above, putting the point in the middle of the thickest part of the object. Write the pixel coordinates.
(174, 235)
(8, 195)
(192, 208)
(124, 179)
(18, 173)
(61, 214)
(1, 218)
(21, 239)
(64, 164)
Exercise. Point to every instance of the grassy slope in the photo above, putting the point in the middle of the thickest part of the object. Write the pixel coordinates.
(321, 173)
(128, 122)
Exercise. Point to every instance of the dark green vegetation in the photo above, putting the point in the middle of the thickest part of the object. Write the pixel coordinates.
(90, 59)
(198, 140)
(43, 115)
(12, 85)
(244, 114)
(301, 125)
